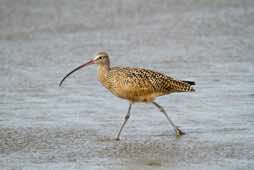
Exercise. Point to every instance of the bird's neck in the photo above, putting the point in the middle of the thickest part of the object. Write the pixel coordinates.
(102, 72)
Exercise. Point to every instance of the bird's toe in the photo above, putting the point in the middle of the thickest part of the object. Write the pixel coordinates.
(179, 132)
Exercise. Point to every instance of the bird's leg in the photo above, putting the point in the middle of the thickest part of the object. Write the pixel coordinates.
(177, 130)
(125, 120)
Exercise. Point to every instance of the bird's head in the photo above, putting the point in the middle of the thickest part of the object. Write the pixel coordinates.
(101, 58)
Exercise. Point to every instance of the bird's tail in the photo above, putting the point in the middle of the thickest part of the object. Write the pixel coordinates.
(189, 82)
(182, 86)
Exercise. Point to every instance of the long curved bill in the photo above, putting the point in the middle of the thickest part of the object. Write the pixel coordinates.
(79, 67)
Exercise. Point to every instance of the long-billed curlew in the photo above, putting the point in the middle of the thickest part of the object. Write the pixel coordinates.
(136, 85)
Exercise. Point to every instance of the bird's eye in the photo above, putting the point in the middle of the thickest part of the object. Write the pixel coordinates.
(100, 58)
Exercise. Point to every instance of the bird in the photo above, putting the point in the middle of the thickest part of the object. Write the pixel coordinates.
(136, 85)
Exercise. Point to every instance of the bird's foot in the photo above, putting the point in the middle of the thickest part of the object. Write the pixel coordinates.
(179, 132)
(117, 139)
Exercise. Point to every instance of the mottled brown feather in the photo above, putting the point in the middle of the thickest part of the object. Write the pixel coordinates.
(138, 84)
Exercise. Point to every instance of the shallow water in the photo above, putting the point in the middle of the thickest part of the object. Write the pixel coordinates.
(43, 126)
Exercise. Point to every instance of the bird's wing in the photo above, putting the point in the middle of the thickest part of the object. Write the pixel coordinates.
(130, 80)
(145, 81)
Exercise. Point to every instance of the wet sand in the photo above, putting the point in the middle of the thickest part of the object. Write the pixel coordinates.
(43, 126)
